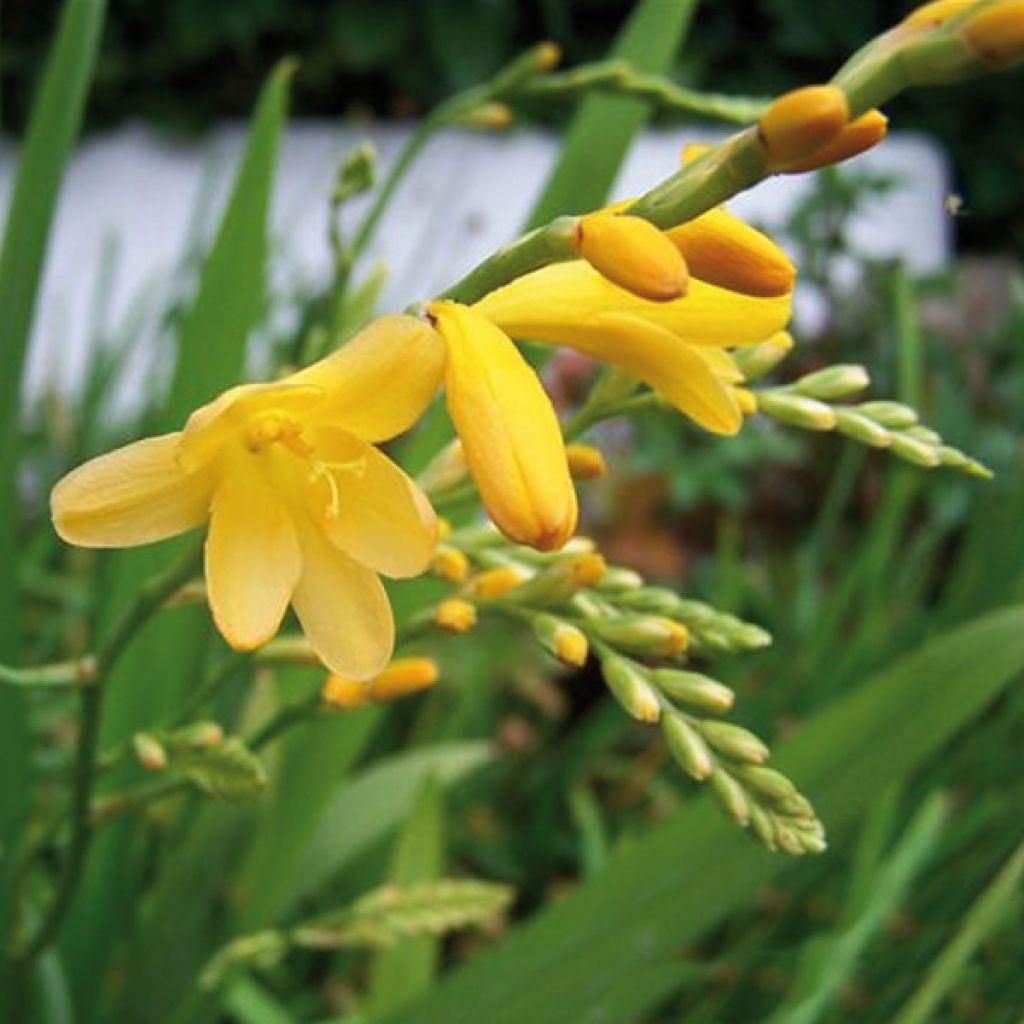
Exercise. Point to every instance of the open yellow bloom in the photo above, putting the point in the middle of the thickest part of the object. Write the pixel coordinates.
(301, 507)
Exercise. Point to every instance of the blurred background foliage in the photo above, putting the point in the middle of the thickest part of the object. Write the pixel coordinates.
(185, 63)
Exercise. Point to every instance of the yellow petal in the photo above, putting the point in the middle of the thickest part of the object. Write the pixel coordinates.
(720, 249)
(683, 374)
(380, 517)
(343, 609)
(252, 557)
(134, 495)
(859, 135)
(633, 254)
(510, 434)
(565, 304)
(722, 365)
(379, 383)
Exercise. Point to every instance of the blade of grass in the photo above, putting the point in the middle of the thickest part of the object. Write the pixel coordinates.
(985, 916)
(53, 126)
(693, 871)
(405, 971)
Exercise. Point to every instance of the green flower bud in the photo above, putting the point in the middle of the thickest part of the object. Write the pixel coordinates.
(699, 691)
(911, 450)
(833, 382)
(893, 415)
(862, 428)
(618, 579)
(731, 796)
(631, 688)
(734, 741)
(796, 410)
(770, 784)
(650, 635)
(924, 434)
(755, 361)
(687, 746)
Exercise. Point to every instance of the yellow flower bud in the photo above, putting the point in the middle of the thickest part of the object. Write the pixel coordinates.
(488, 115)
(801, 122)
(996, 33)
(859, 135)
(571, 646)
(402, 677)
(633, 254)
(455, 615)
(747, 400)
(936, 13)
(496, 582)
(450, 564)
(444, 529)
(585, 462)
(587, 569)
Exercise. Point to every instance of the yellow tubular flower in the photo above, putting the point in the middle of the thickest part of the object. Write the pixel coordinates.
(634, 254)
(800, 122)
(301, 507)
(664, 344)
(510, 433)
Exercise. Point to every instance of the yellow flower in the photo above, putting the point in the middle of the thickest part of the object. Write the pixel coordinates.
(678, 348)
(301, 507)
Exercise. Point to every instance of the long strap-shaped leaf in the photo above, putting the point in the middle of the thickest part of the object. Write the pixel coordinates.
(693, 871)
(53, 127)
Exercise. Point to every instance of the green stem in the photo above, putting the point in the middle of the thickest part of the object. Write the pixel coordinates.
(78, 674)
(147, 602)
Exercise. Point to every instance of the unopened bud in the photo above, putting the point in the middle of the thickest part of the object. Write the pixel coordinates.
(496, 582)
(200, 735)
(455, 615)
(357, 172)
(618, 579)
(734, 741)
(956, 459)
(858, 136)
(402, 677)
(488, 115)
(746, 400)
(996, 32)
(731, 796)
(687, 746)
(801, 122)
(926, 435)
(450, 564)
(796, 410)
(585, 462)
(657, 600)
(633, 254)
(833, 382)
(755, 361)
(894, 415)
(699, 691)
(631, 688)
(722, 250)
(852, 424)
(772, 785)
(558, 582)
(567, 643)
(149, 751)
(917, 452)
(542, 57)
(938, 12)
(650, 635)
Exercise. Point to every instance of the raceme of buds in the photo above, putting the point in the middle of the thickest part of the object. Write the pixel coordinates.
(799, 123)
(634, 254)
(455, 615)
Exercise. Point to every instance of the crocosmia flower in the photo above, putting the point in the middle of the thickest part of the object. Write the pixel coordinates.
(301, 507)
